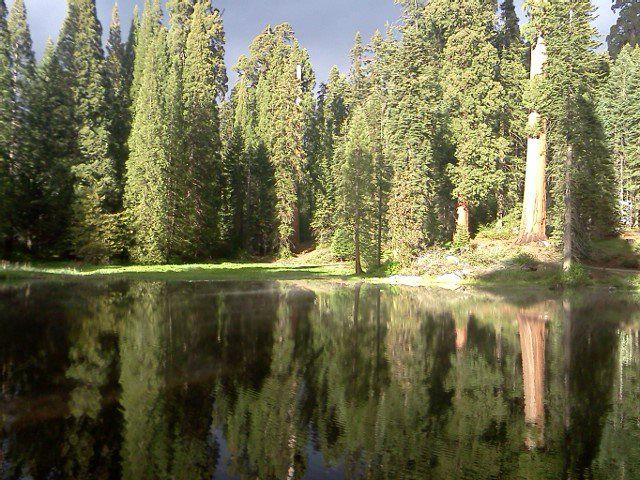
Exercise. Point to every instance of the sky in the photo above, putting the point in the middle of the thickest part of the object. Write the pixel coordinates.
(325, 27)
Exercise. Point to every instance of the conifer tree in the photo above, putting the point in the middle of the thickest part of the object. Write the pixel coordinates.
(144, 38)
(619, 108)
(474, 99)
(626, 30)
(23, 168)
(355, 189)
(513, 118)
(203, 81)
(583, 187)
(5, 123)
(117, 75)
(411, 121)
(147, 190)
(130, 47)
(357, 72)
(94, 229)
(331, 115)
(278, 73)
(55, 144)
(376, 109)
(179, 178)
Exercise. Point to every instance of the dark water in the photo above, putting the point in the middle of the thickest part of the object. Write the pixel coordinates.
(269, 381)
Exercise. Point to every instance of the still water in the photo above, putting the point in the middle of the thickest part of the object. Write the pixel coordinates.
(267, 381)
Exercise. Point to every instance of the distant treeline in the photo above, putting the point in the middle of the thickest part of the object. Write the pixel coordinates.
(444, 123)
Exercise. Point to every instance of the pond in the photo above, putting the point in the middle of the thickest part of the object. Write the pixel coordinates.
(141, 380)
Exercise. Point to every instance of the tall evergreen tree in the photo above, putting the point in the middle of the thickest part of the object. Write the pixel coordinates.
(416, 214)
(619, 108)
(23, 168)
(513, 118)
(147, 190)
(203, 81)
(117, 74)
(94, 228)
(355, 189)
(55, 144)
(280, 72)
(144, 38)
(474, 99)
(5, 123)
(626, 30)
(331, 113)
(583, 186)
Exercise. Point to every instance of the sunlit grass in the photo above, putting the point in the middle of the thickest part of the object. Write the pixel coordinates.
(192, 272)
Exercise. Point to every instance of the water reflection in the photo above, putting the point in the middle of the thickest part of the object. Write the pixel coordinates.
(254, 380)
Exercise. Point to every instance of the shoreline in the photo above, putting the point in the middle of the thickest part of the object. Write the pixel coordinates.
(550, 278)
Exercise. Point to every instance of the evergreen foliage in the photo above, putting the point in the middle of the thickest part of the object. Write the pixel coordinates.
(5, 124)
(619, 108)
(147, 196)
(626, 30)
(582, 175)
(137, 151)
(119, 75)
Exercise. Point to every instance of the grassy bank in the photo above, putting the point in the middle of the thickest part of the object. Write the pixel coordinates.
(193, 272)
(488, 262)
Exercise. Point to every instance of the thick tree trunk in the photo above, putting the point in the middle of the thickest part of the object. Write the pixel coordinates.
(462, 223)
(534, 207)
(568, 241)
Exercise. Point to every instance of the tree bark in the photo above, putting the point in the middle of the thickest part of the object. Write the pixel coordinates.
(534, 208)
(462, 224)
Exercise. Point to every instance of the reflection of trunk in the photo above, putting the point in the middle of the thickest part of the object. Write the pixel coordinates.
(567, 320)
(568, 252)
(532, 332)
(462, 224)
(461, 335)
(356, 303)
(534, 208)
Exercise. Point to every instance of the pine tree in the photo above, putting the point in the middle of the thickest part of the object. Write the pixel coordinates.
(355, 190)
(117, 75)
(332, 113)
(55, 144)
(513, 118)
(474, 99)
(416, 213)
(583, 184)
(357, 72)
(278, 74)
(626, 30)
(144, 38)
(94, 229)
(5, 124)
(147, 190)
(23, 168)
(619, 109)
(376, 109)
(204, 80)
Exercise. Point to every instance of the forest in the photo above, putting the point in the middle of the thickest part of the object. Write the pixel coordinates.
(453, 118)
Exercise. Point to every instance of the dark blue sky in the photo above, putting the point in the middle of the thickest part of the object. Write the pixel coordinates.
(325, 27)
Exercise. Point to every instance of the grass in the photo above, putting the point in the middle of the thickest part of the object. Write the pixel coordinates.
(192, 272)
